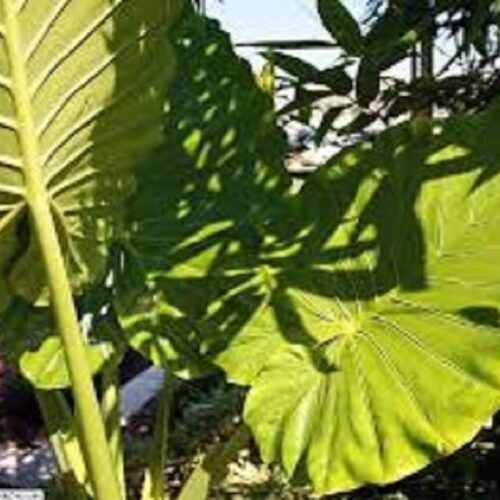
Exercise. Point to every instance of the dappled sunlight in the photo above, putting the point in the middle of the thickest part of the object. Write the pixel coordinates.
(339, 306)
(355, 288)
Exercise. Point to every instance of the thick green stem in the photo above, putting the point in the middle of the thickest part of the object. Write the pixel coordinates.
(97, 453)
(93, 435)
(154, 480)
(110, 404)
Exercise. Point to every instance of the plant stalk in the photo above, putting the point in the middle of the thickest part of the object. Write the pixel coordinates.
(154, 487)
(110, 404)
(93, 435)
(63, 439)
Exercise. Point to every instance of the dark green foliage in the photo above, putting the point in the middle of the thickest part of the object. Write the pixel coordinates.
(219, 172)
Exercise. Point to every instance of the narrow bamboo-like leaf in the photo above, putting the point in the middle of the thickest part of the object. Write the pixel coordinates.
(359, 123)
(337, 79)
(290, 44)
(327, 122)
(367, 82)
(386, 44)
(304, 98)
(341, 24)
(295, 66)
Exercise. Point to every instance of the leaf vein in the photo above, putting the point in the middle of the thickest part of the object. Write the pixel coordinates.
(39, 38)
(410, 338)
(367, 400)
(401, 380)
(78, 41)
(129, 92)
(8, 123)
(10, 162)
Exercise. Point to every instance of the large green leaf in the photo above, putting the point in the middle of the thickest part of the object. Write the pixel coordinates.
(81, 94)
(344, 354)
(340, 306)
(221, 160)
(343, 305)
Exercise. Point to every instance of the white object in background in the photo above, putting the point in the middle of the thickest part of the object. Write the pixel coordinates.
(140, 390)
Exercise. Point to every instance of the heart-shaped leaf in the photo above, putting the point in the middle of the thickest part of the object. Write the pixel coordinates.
(27, 336)
(212, 175)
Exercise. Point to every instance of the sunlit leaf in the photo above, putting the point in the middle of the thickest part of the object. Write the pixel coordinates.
(349, 349)
(381, 280)
(46, 368)
(81, 94)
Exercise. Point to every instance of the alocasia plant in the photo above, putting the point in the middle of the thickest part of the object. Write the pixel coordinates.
(81, 96)
(362, 312)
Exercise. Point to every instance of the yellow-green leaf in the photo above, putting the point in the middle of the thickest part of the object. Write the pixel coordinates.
(46, 368)
(81, 94)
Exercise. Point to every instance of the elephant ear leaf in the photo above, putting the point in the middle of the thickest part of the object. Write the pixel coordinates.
(203, 200)
(378, 349)
(81, 91)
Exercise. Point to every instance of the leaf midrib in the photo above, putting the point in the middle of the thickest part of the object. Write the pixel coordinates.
(26, 130)
(35, 191)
